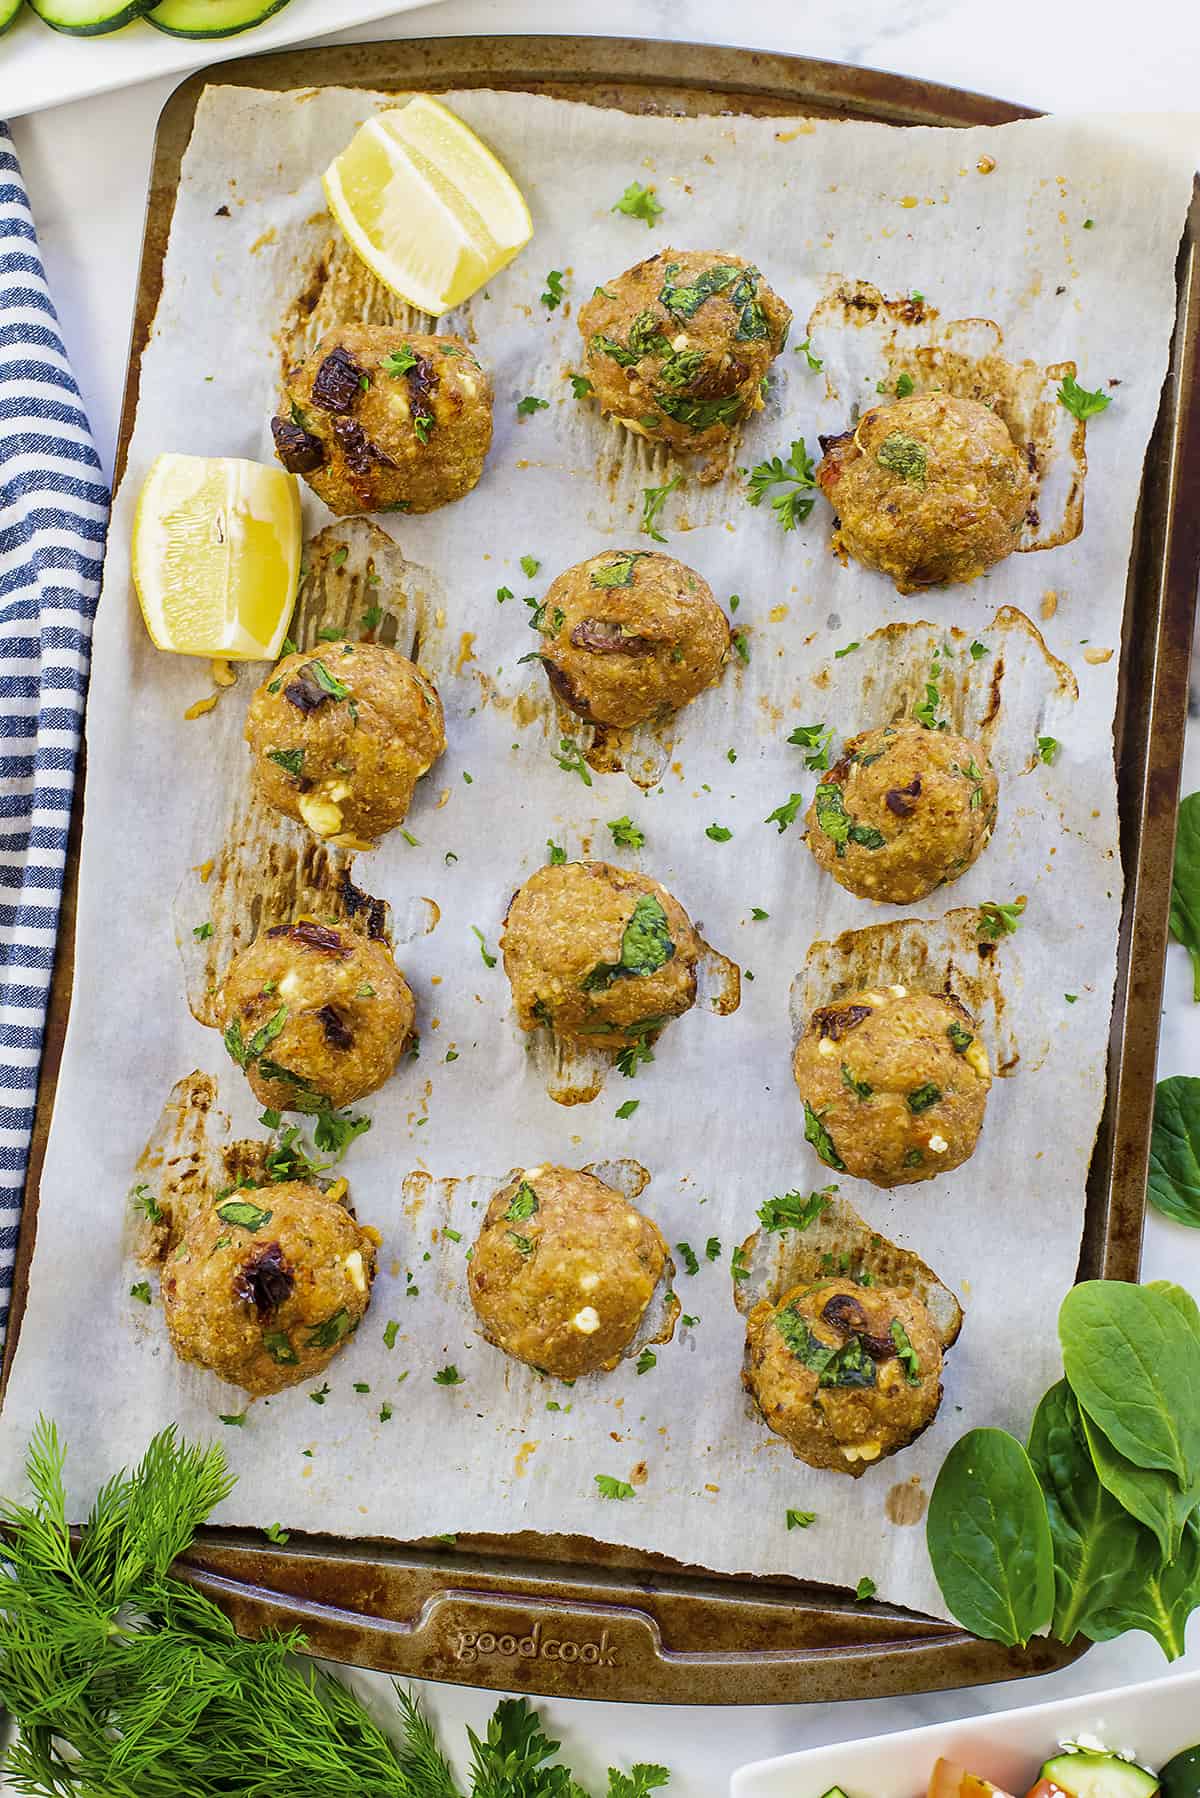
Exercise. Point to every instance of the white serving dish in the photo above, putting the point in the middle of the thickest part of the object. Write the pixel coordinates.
(40, 67)
(1153, 1722)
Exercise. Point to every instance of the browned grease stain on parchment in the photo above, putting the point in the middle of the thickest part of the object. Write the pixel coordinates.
(913, 340)
(907, 1502)
(946, 955)
(841, 1240)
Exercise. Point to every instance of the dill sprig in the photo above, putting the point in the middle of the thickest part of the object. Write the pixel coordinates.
(129, 1682)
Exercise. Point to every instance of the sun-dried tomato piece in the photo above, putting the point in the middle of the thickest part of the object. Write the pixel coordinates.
(298, 450)
(312, 935)
(357, 447)
(604, 637)
(834, 1022)
(265, 1281)
(338, 386)
(337, 1033)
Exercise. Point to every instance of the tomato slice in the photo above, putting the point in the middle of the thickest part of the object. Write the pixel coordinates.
(951, 1781)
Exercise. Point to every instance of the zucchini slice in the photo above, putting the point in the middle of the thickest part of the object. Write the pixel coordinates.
(211, 18)
(8, 12)
(89, 18)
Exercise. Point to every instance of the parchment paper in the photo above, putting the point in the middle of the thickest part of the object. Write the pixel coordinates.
(719, 1124)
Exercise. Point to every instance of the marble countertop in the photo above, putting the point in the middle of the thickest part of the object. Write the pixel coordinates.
(86, 166)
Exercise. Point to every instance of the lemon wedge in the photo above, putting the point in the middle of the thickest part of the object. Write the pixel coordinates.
(216, 556)
(426, 205)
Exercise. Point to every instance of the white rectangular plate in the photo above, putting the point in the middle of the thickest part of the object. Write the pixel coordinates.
(40, 67)
(1153, 1722)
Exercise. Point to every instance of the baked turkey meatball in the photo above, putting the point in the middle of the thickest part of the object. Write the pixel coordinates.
(340, 736)
(902, 811)
(846, 1374)
(385, 420)
(316, 1014)
(677, 347)
(564, 1270)
(927, 489)
(267, 1284)
(894, 1084)
(630, 635)
(598, 954)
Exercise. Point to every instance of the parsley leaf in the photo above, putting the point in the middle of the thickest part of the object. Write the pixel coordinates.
(581, 387)
(646, 1360)
(800, 1520)
(557, 855)
(805, 349)
(1079, 402)
(398, 362)
(626, 834)
(448, 1376)
(996, 920)
(489, 960)
(687, 1254)
(638, 202)
(628, 1108)
(816, 738)
(865, 1589)
(529, 566)
(611, 1488)
(718, 833)
(1048, 748)
(793, 1211)
(653, 501)
(570, 759)
(796, 476)
(553, 295)
(141, 1292)
(531, 404)
(785, 814)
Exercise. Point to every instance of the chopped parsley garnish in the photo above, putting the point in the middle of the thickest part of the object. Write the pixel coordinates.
(531, 404)
(817, 740)
(904, 456)
(848, 650)
(1048, 748)
(628, 1108)
(319, 1394)
(557, 855)
(794, 1210)
(503, 593)
(978, 650)
(274, 1532)
(646, 1360)
(610, 1488)
(234, 1419)
(619, 572)
(1071, 998)
(997, 920)
(570, 759)
(523, 1203)
(712, 1249)
(797, 478)
(922, 1097)
(718, 833)
(638, 202)
(626, 834)
(1079, 402)
(785, 814)
(390, 1333)
(805, 349)
(653, 501)
(741, 644)
(529, 566)
(800, 1520)
(146, 1203)
(398, 362)
(687, 1254)
(423, 425)
(866, 1586)
(906, 1354)
(758, 914)
(385, 1412)
(816, 1134)
(141, 1292)
(960, 1038)
(245, 1052)
(448, 1376)
(372, 618)
(553, 295)
(489, 960)
(926, 713)
(738, 1265)
(581, 387)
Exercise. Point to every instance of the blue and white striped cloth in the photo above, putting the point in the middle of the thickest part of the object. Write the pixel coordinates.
(53, 517)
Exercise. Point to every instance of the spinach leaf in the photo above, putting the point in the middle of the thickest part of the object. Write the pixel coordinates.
(816, 1134)
(849, 1364)
(699, 415)
(1159, 1601)
(989, 1539)
(1174, 1181)
(686, 298)
(1133, 1362)
(1098, 1548)
(1185, 885)
(646, 946)
(1148, 1494)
